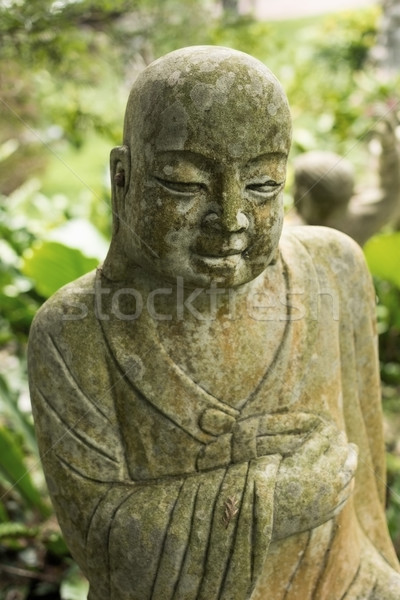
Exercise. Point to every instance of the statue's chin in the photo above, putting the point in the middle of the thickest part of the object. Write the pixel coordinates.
(223, 271)
(194, 270)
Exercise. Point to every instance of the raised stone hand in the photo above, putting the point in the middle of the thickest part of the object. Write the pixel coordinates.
(315, 481)
(271, 434)
(316, 470)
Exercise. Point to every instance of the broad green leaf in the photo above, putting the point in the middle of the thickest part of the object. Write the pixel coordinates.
(383, 256)
(51, 265)
(13, 468)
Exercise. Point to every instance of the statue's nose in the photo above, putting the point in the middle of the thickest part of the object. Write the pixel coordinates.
(233, 222)
(228, 213)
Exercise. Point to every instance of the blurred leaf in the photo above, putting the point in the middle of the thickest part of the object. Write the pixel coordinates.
(391, 373)
(393, 491)
(13, 468)
(56, 545)
(383, 256)
(3, 513)
(52, 265)
(11, 529)
(74, 586)
(9, 404)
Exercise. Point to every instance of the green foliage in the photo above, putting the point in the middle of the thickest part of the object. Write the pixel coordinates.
(244, 33)
(15, 472)
(14, 416)
(55, 544)
(17, 306)
(388, 311)
(393, 498)
(12, 530)
(346, 38)
(383, 257)
(171, 24)
(51, 265)
(47, 32)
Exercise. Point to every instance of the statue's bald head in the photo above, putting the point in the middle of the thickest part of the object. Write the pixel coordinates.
(207, 92)
(202, 168)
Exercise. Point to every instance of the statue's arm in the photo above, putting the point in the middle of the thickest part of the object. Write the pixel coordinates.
(78, 438)
(364, 416)
(341, 266)
(362, 409)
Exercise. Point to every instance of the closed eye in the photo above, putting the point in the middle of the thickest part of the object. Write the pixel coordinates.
(264, 187)
(181, 187)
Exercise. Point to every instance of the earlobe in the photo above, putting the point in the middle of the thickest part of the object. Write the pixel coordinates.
(120, 175)
(120, 166)
(119, 178)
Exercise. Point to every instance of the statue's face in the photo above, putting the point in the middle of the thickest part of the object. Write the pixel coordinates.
(205, 201)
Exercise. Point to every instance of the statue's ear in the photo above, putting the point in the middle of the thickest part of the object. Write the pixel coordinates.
(120, 170)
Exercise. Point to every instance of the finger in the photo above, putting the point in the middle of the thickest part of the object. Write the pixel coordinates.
(350, 466)
(288, 423)
(285, 445)
(322, 441)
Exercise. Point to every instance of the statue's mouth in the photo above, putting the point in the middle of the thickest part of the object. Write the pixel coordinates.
(222, 254)
(231, 247)
(227, 259)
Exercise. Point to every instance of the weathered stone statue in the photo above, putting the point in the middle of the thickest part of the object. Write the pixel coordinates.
(325, 192)
(201, 399)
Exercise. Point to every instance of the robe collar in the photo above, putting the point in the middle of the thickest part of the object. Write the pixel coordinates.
(140, 356)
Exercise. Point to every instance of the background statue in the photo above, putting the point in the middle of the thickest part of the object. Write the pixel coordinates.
(201, 399)
(325, 193)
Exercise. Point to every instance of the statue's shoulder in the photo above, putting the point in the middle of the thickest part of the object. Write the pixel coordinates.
(326, 246)
(336, 261)
(71, 307)
(65, 338)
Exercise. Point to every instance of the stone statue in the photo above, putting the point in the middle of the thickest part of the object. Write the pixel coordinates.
(201, 399)
(325, 194)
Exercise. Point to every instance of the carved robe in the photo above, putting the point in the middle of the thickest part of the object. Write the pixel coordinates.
(165, 492)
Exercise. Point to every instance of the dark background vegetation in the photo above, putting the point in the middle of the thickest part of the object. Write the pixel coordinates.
(66, 68)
